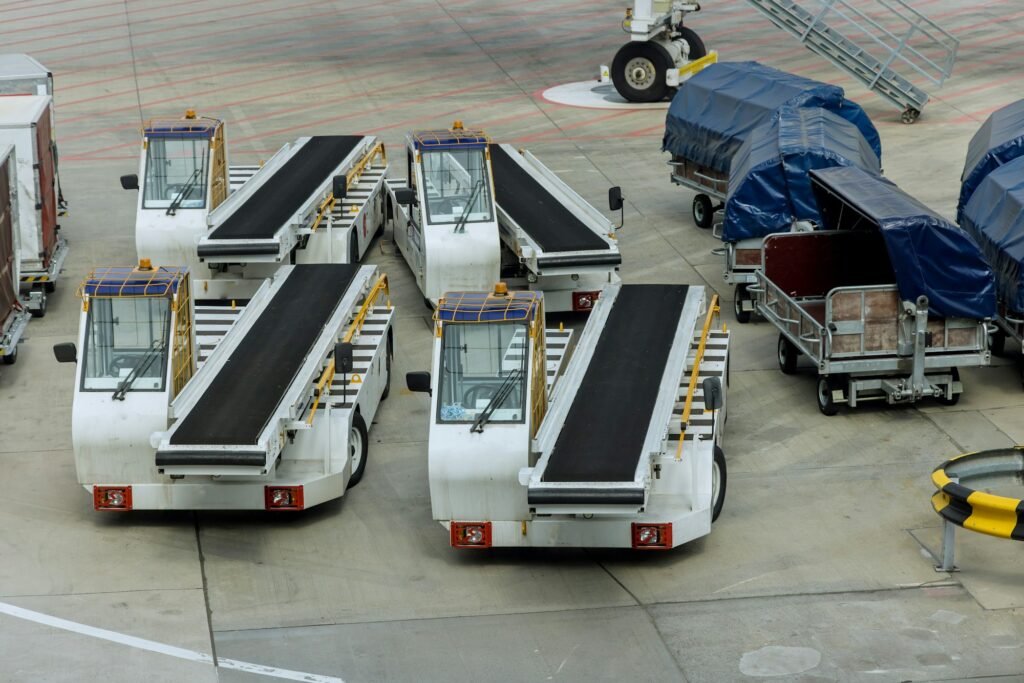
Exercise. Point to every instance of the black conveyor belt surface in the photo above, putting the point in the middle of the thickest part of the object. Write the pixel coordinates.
(241, 399)
(541, 215)
(604, 432)
(263, 214)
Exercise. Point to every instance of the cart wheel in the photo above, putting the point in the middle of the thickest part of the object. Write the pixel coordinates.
(703, 211)
(826, 404)
(10, 358)
(909, 115)
(718, 480)
(787, 356)
(997, 342)
(41, 311)
(956, 397)
(358, 445)
(742, 316)
(49, 287)
(638, 71)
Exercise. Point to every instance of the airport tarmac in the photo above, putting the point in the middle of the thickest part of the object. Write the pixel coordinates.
(818, 568)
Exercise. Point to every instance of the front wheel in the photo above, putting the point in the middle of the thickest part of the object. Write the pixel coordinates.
(697, 49)
(826, 403)
(717, 483)
(358, 446)
(638, 71)
(742, 316)
(787, 356)
(997, 342)
(703, 211)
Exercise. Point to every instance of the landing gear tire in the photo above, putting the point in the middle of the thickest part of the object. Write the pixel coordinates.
(826, 404)
(742, 316)
(697, 49)
(909, 115)
(718, 480)
(956, 397)
(358, 446)
(10, 358)
(703, 211)
(638, 71)
(787, 356)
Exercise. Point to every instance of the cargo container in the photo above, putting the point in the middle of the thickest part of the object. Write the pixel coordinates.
(13, 316)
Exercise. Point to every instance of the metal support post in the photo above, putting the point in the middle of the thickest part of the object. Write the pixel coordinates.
(948, 543)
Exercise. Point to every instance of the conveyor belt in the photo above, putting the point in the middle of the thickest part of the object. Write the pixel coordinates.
(548, 221)
(270, 206)
(241, 399)
(604, 431)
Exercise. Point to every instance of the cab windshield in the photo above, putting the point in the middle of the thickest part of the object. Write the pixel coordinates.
(458, 186)
(125, 334)
(481, 363)
(176, 173)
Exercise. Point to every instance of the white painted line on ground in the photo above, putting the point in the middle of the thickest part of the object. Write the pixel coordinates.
(160, 648)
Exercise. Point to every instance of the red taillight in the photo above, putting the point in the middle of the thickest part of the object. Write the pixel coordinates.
(652, 536)
(116, 498)
(471, 534)
(283, 497)
(584, 301)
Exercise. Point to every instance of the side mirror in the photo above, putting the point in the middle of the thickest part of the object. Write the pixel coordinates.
(65, 352)
(344, 353)
(130, 181)
(419, 382)
(406, 196)
(712, 387)
(615, 198)
(339, 187)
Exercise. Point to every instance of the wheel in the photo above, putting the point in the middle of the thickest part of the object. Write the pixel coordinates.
(10, 358)
(909, 115)
(787, 356)
(638, 71)
(718, 479)
(353, 248)
(429, 304)
(358, 445)
(997, 342)
(387, 375)
(49, 287)
(956, 397)
(826, 404)
(41, 311)
(742, 316)
(697, 49)
(703, 211)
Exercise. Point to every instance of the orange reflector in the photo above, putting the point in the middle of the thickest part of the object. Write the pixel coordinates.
(471, 534)
(652, 536)
(283, 497)
(114, 498)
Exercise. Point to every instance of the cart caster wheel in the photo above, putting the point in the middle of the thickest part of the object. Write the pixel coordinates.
(956, 397)
(827, 404)
(909, 115)
(718, 480)
(49, 287)
(742, 316)
(703, 211)
(787, 356)
(10, 358)
(638, 71)
(997, 343)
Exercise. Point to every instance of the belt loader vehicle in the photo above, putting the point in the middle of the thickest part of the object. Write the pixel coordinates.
(13, 315)
(472, 212)
(623, 449)
(186, 403)
(317, 200)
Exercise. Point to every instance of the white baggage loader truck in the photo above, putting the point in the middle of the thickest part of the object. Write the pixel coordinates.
(261, 407)
(625, 451)
(471, 212)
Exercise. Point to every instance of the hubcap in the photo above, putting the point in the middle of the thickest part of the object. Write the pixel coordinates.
(824, 394)
(716, 483)
(355, 448)
(782, 352)
(698, 211)
(640, 73)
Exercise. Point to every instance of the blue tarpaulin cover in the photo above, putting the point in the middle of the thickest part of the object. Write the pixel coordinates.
(768, 183)
(994, 216)
(929, 255)
(999, 140)
(714, 112)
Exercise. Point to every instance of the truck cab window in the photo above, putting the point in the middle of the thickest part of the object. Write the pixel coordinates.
(477, 361)
(122, 334)
(457, 186)
(176, 172)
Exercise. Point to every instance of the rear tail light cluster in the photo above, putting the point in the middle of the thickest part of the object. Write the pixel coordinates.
(584, 301)
(283, 497)
(652, 536)
(116, 498)
(471, 534)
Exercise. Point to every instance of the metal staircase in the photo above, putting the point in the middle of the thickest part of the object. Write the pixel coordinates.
(907, 40)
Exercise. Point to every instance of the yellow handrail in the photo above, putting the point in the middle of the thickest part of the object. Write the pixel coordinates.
(698, 358)
(381, 285)
(329, 201)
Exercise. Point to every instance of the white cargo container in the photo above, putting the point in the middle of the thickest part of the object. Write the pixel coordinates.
(13, 317)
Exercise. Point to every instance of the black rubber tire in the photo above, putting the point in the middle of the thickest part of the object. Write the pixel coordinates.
(41, 311)
(10, 358)
(697, 49)
(703, 211)
(956, 397)
(358, 424)
(997, 342)
(787, 356)
(742, 316)
(657, 56)
(387, 376)
(49, 287)
(717, 503)
(353, 247)
(826, 404)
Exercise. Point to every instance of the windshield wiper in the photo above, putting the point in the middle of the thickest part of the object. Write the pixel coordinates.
(499, 397)
(140, 367)
(461, 225)
(172, 210)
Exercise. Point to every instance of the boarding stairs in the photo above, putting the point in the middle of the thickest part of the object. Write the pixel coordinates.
(894, 39)
(714, 363)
